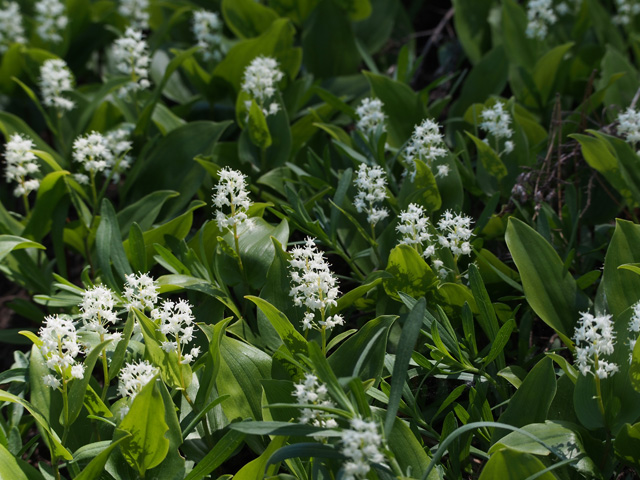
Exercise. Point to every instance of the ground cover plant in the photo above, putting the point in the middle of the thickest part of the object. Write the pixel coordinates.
(320, 239)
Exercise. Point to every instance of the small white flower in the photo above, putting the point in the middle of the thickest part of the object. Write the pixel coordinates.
(314, 285)
(595, 338)
(131, 55)
(629, 125)
(140, 291)
(443, 170)
(56, 78)
(21, 164)
(11, 30)
(413, 226)
(372, 189)
(51, 381)
(311, 392)
(231, 192)
(207, 28)
(496, 122)
(97, 309)
(626, 10)
(60, 347)
(426, 144)
(136, 12)
(540, 15)
(50, 20)
(455, 233)
(260, 81)
(133, 377)
(92, 151)
(634, 328)
(370, 115)
(119, 144)
(361, 444)
(176, 321)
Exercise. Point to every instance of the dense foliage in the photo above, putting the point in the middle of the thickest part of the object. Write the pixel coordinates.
(320, 239)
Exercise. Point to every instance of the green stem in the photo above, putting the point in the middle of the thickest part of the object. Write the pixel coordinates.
(94, 193)
(25, 201)
(60, 134)
(105, 372)
(324, 339)
(65, 411)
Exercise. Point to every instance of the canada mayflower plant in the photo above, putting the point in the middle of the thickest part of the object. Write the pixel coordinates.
(496, 122)
(372, 190)
(11, 29)
(207, 28)
(55, 79)
(131, 56)
(426, 144)
(370, 115)
(260, 82)
(21, 165)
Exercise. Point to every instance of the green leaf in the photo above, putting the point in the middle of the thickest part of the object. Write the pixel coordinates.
(51, 191)
(295, 342)
(510, 464)
(622, 287)
(408, 339)
(600, 156)
(15, 468)
(402, 105)
(423, 190)
(275, 428)
(79, 386)
(242, 366)
(488, 320)
(109, 247)
(57, 447)
(472, 28)
(489, 158)
(96, 466)
(137, 251)
(549, 287)
(627, 444)
(362, 354)
(546, 70)
(217, 455)
(247, 18)
(410, 272)
(255, 469)
(8, 243)
(147, 445)
(531, 402)
(634, 368)
(518, 47)
(500, 341)
(257, 126)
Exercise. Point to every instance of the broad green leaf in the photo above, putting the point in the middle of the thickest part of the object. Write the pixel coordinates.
(546, 70)
(519, 48)
(489, 158)
(109, 247)
(634, 368)
(257, 468)
(423, 189)
(362, 354)
(531, 402)
(145, 211)
(242, 366)
(15, 468)
(51, 191)
(147, 445)
(472, 28)
(510, 464)
(96, 466)
(247, 18)
(294, 341)
(627, 444)
(8, 243)
(402, 106)
(622, 286)
(410, 272)
(257, 127)
(407, 449)
(499, 342)
(549, 287)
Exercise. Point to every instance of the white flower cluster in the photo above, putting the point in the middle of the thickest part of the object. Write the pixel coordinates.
(496, 121)
(60, 347)
(634, 328)
(566, 7)
(314, 285)
(119, 144)
(311, 392)
(594, 337)
(413, 226)
(540, 15)
(56, 78)
(97, 309)
(372, 189)
(370, 115)
(455, 232)
(361, 444)
(136, 11)
(207, 28)
(50, 20)
(626, 10)
(231, 191)
(11, 30)
(131, 55)
(176, 321)
(134, 376)
(140, 292)
(260, 81)
(93, 153)
(426, 144)
(21, 164)
(629, 125)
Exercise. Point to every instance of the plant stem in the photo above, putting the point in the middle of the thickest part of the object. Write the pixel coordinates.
(65, 410)
(105, 372)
